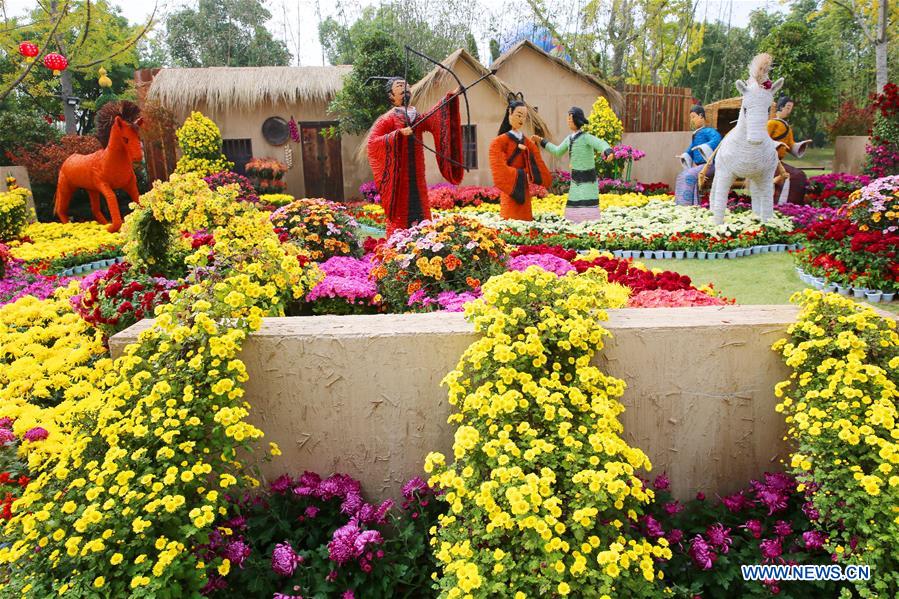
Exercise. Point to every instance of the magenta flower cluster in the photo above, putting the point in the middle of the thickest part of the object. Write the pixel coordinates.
(346, 278)
(547, 262)
(18, 281)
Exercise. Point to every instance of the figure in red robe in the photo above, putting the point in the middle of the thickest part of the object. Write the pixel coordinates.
(396, 154)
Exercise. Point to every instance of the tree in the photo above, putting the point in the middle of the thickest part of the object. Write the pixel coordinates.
(721, 60)
(624, 40)
(804, 62)
(22, 124)
(224, 33)
(494, 49)
(878, 21)
(360, 102)
(412, 23)
(90, 34)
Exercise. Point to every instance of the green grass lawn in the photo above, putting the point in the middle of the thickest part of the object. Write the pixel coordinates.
(814, 157)
(761, 279)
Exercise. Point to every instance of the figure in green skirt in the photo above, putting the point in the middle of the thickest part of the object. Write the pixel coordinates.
(583, 196)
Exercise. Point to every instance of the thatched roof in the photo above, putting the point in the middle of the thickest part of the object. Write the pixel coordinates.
(726, 103)
(438, 78)
(245, 87)
(616, 100)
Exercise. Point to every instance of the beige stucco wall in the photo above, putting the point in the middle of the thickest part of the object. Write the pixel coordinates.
(22, 180)
(362, 395)
(660, 163)
(849, 154)
(552, 89)
(487, 110)
(240, 123)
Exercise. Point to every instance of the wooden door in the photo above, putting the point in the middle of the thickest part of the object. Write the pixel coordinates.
(322, 162)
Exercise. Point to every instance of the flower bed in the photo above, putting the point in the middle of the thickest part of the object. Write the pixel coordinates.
(856, 250)
(772, 521)
(52, 247)
(840, 406)
(538, 500)
(833, 189)
(656, 226)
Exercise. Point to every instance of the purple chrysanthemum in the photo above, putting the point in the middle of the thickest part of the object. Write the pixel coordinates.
(719, 537)
(6, 436)
(37, 433)
(675, 535)
(782, 528)
(282, 484)
(662, 482)
(754, 527)
(673, 507)
(813, 540)
(736, 503)
(810, 511)
(237, 551)
(771, 549)
(701, 553)
(653, 527)
(311, 511)
(284, 559)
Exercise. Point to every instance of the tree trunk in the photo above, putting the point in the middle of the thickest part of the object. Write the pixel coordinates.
(65, 82)
(880, 47)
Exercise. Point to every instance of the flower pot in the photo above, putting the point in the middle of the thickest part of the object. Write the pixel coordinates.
(689, 254)
(763, 249)
(714, 255)
(618, 253)
(120, 259)
(731, 254)
(829, 287)
(844, 290)
(817, 282)
(873, 296)
(888, 297)
(109, 262)
(78, 269)
(679, 254)
(668, 255)
(756, 249)
(659, 254)
(859, 292)
(702, 255)
(647, 254)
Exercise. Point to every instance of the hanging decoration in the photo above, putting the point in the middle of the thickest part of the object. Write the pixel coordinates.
(56, 62)
(294, 130)
(29, 50)
(104, 81)
(288, 156)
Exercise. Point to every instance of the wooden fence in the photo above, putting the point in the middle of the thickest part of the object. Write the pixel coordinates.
(654, 108)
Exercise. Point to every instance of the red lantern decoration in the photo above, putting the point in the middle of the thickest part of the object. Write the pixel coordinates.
(29, 50)
(55, 62)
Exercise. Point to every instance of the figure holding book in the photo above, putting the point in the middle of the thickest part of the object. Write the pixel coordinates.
(583, 196)
(781, 131)
(703, 143)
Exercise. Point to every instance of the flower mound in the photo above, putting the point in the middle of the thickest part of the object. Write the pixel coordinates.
(840, 406)
(454, 254)
(246, 192)
(347, 280)
(321, 228)
(14, 213)
(542, 482)
(201, 147)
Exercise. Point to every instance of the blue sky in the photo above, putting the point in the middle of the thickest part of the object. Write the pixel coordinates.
(293, 17)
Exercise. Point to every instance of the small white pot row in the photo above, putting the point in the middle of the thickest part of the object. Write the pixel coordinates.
(90, 267)
(694, 255)
(872, 295)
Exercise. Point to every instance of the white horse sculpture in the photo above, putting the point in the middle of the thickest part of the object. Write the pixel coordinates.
(748, 152)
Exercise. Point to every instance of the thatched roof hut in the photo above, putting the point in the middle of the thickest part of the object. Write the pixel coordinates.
(223, 88)
(520, 67)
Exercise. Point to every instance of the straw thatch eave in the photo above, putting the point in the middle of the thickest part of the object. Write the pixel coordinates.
(616, 100)
(245, 87)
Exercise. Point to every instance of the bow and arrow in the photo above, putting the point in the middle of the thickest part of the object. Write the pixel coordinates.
(461, 90)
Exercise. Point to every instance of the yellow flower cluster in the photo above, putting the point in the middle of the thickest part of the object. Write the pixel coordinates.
(555, 204)
(52, 241)
(52, 369)
(604, 123)
(166, 424)
(201, 147)
(840, 405)
(542, 486)
(276, 199)
(14, 213)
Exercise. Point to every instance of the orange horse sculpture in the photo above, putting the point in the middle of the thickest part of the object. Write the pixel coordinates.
(106, 170)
